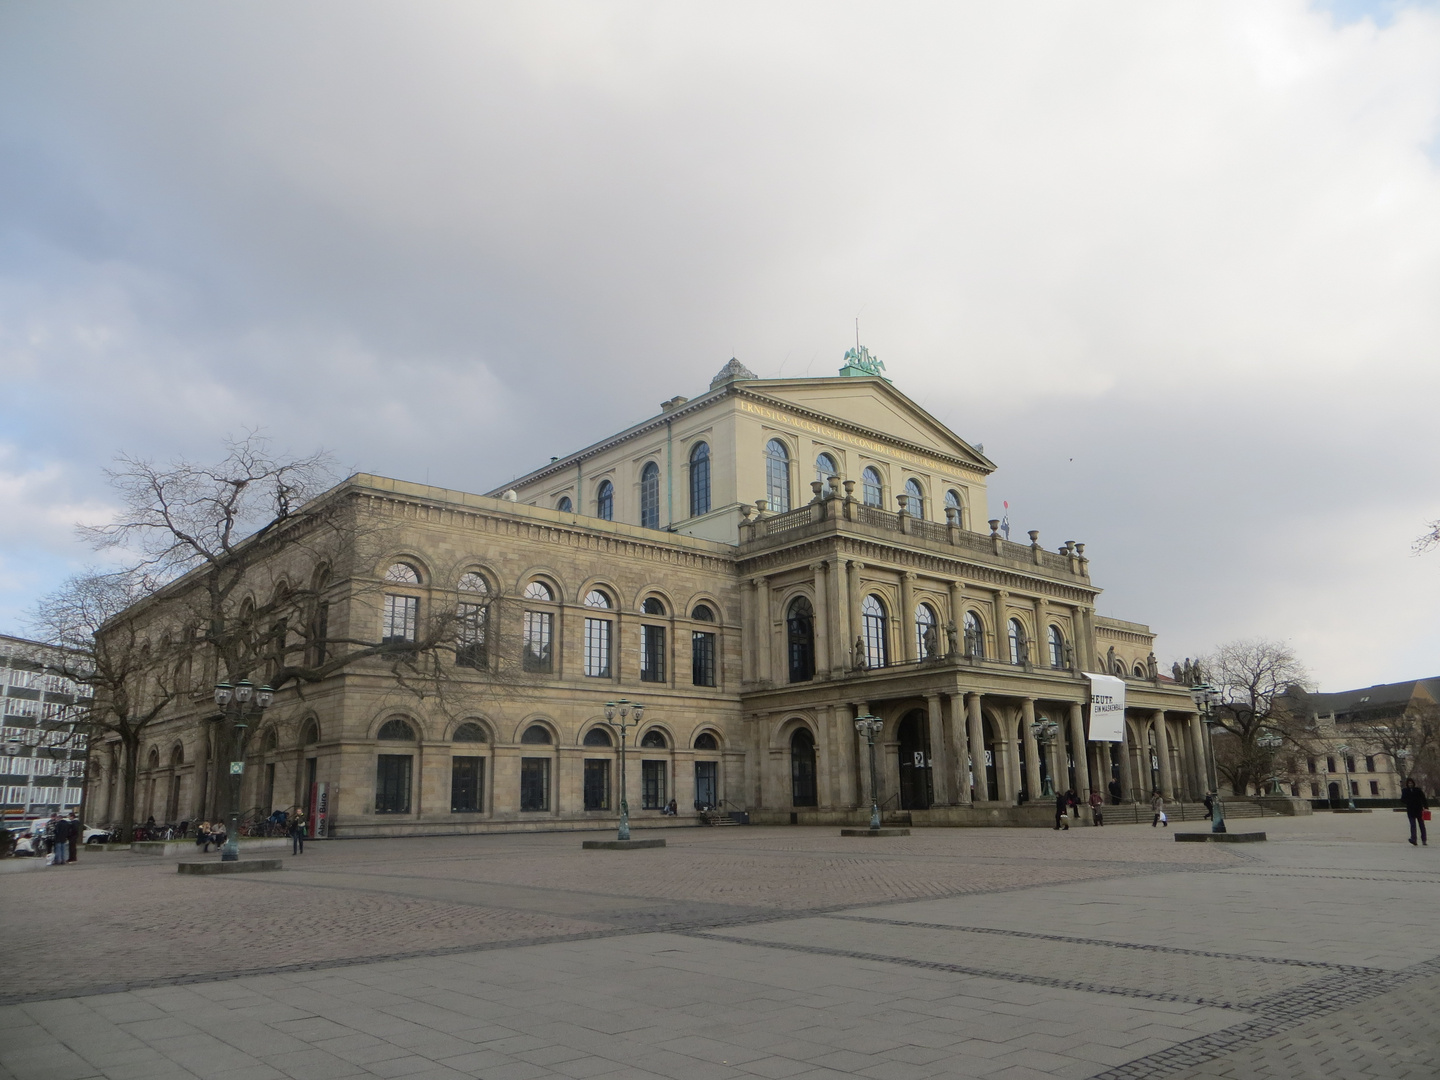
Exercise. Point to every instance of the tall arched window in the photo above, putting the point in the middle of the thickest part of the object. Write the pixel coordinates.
(1018, 644)
(700, 479)
(470, 621)
(650, 496)
(803, 789)
(927, 632)
(800, 636)
(974, 635)
(915, 504)
(605, 501)
(825, 468)
(872, 613)
(872, 491)
(777, 476)
(1057, 648)
(952, 502)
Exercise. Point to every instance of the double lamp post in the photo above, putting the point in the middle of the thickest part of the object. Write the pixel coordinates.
(624, 710)
(240, 704)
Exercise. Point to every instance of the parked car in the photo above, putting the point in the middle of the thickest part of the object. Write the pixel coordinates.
(96, 836)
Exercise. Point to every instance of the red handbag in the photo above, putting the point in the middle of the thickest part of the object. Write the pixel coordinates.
(1425, 815)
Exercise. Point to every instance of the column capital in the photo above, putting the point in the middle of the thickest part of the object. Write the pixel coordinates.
(818, 565)
(856, 564)
(760, 582)
(911, 575)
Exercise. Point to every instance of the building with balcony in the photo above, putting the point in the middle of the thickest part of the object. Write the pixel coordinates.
(44, 734)
(758, 566)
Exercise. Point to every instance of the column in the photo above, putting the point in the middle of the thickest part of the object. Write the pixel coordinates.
(1032, 755)
(843, 717)
(840, 635)
(763, 629)
(824, 761)
(683, 765)
(1012, 760)
(1162, 751)
(1040, 647)
(959, 752)
(749, 632)
(939, 767)
(909, 647)
(1127, 765)
(1078, 750)
(1001, 651)
(957, 616)
(822, 618)
(853, 606)
(977, 745)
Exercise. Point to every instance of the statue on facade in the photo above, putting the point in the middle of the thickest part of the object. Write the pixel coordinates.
(1070, 655)
(1177, 673)
(970, 643)
(862, 658)
(952, 638)
(929, 641)
(1152, 667)
(1110, 660)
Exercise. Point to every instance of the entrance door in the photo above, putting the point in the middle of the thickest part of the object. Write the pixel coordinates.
(1334, 791)
(916, 791)
(803, 791)
(707, 784)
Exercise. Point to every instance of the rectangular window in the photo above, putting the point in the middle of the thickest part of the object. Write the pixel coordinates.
(467, 785)
(401, 615)
(1375, 787)
(392, 783)
(470, 635)
(1369, 764)
(652, 654)
(1329, 764)
(1311, 763)
(597, 648)
(707, 784)
(1354, 788)
(320, 632)
(534, 783)
(597, 784)
(539, 626)
(702, 653)
(1349, 763)
(652, 793)
(1314, 791)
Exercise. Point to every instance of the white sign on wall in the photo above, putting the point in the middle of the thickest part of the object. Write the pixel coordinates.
(1107, 708)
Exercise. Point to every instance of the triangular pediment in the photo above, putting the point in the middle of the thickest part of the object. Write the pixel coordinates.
(874, 405)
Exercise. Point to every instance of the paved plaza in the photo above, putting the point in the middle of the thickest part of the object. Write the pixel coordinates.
(739, 952)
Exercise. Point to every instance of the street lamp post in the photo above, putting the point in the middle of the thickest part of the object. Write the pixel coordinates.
(1045, 732)
(1344, 750)
(235, 706)
(870, 726)
(1206, 697)
(1271, 742)
(624, 710)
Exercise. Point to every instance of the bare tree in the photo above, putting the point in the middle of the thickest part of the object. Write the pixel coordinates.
(1429, 539)
(1252, 678)
(130, 675)
(235, 568)
(1409, 740)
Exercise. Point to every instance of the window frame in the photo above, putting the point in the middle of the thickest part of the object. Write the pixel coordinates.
(471, 623)
(777, 476)
(529, 768)
(920, 628)
(605, 500)
(599, 636)
(800, 640)
(475, 763)
(538, 626)
(388, 786)
(878, 486)
(652, 653)
(973, 627)
(703, 666)
(401, 610)
(700, 479)
(654, 789)
(875, 630)
(650, 496)
(915, 498)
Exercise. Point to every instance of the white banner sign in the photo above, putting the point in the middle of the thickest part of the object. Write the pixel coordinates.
(1107, 708)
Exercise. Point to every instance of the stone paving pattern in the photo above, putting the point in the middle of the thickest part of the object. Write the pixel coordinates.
(1110, 953)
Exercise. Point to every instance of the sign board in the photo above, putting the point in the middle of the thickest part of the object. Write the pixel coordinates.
(236, 768)
(919, 759)
(318, 823)
(1107, 708)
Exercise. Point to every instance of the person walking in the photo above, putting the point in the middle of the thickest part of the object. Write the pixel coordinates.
(1157, 807)
(1097, 807)
(1416, 806)
(61, 851)
(1062, 813)
(297, 835)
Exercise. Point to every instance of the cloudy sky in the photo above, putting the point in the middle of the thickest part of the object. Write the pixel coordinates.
(1177, 265)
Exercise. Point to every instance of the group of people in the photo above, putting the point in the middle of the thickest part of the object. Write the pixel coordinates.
(64, 834)
(1067, 805)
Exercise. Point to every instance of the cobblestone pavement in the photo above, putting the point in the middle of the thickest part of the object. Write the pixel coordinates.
(1113, 953)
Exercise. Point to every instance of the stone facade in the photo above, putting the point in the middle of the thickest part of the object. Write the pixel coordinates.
(753, 638)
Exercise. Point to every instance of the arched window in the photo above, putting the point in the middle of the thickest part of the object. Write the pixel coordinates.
(536, 734)
(564, 505)
(653, 605)
(915, 503)
(872, 613)
(470, 620)
(974, 635)
(700, 479)
(872, 491)
(1018, 650)
(803, 789)
(825, 468)
(598, 736)
(309, 733)
(1057, 648)
(706, 741)
(1139, 671)
(469, 732)
(650, 496)
(538, 630)
(927, 632)
(777, 476)
(702, 613)
(605, 501)
(652, 643)
(396, 730)
(597, 637)
(596, 599)
(952, 502)
(538, 590)
(402, 574)
(800, 635)
(654, 739)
